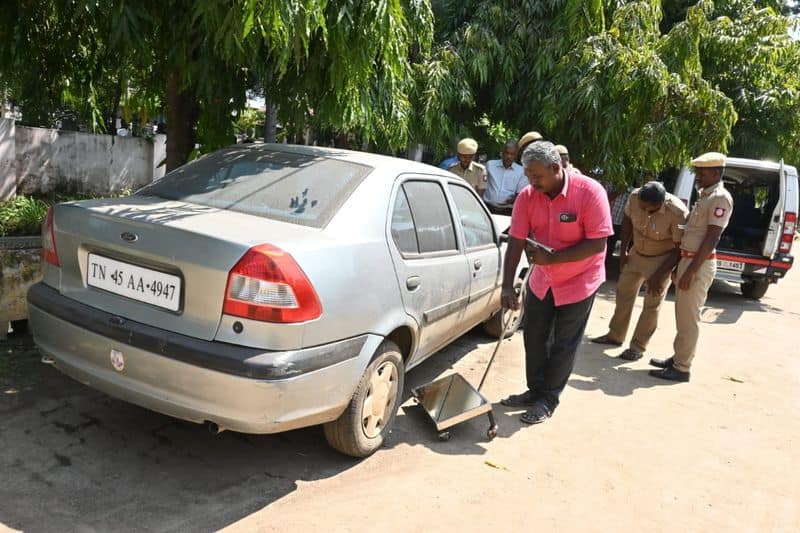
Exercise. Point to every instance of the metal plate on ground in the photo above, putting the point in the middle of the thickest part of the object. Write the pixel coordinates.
(451, 400)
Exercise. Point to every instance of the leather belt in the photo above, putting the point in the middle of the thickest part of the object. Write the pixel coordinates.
(662, 254)
(684, 253)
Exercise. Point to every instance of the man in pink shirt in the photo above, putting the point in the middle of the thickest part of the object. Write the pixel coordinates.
(568, 212)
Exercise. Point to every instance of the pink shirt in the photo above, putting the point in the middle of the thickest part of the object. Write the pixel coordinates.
(580, 211)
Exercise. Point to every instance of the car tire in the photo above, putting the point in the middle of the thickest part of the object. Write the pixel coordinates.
(20, 327)
(369, 416)
(494, 326)
(754, 288)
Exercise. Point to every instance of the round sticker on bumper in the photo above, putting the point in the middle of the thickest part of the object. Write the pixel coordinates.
(117, 360)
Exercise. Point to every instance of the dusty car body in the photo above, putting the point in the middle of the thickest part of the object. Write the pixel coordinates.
(268, 287)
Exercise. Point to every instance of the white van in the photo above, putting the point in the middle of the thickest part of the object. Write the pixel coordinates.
(755, 248)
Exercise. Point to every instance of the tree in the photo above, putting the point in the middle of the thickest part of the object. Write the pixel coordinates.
(749, 55)
(344, 64)
(623, 86)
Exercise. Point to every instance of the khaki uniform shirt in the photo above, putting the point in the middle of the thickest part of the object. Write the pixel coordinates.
(713, 208)
(475, 174)
(657, 233)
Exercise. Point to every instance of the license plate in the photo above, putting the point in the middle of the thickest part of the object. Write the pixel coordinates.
(134, 282)
(730, 265)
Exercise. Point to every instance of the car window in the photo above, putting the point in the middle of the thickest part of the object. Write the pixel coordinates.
(403, 231)
(297, 188)
(476, 223)
(435, 232)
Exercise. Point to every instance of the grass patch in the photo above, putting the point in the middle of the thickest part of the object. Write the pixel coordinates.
(23, 215)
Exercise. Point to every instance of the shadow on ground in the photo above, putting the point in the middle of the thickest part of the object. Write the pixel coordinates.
(415, 428)
(597, 370)
(75, 459)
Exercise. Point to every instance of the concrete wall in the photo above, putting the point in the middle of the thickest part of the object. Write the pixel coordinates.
(8, 160)
(20, 267)
(41, 160)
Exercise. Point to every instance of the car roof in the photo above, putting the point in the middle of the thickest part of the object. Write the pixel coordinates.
(383, 162)
(755, 164)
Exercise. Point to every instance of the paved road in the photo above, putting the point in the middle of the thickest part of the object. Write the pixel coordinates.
(623, 452)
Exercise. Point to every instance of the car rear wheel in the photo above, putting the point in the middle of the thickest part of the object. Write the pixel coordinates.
(361, 429)
(754, 288)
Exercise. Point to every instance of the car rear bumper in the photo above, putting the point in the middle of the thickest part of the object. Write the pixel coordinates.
(291, 389)
(750, 267)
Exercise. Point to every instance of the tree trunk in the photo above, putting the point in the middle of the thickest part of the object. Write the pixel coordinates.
(181, 117)
(342, 140)
(270, 122)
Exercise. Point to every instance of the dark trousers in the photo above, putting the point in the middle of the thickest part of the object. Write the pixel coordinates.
(552, 335)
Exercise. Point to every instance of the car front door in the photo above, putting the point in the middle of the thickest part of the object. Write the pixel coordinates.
(482, 252)
(432, 270)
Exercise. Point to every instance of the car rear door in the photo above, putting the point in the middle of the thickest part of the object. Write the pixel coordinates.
(432, 270)
(482, 252)
(775, 230)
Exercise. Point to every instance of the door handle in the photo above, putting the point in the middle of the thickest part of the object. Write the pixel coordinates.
(477, 264)
(413, 283)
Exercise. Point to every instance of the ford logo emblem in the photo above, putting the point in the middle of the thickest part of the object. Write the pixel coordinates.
(127, 236)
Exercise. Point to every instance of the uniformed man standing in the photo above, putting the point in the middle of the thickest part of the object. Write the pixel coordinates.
(654, 221)
(564, 153)
(474, 173)
(697, 266)
(528, 138)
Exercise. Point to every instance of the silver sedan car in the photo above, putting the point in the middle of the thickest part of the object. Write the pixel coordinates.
(268, 287)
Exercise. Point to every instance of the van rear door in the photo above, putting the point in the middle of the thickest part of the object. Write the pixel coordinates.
(775, 230)
(684, 186)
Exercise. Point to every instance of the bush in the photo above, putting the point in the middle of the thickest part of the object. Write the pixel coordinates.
(22, 216)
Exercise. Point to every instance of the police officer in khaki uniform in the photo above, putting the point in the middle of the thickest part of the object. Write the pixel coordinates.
(525, 140)
(564, 153)
(654, 220)
(474, 173)
(697, 266)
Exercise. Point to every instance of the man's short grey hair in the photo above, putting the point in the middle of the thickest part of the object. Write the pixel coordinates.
(543, 151)
(653, 192)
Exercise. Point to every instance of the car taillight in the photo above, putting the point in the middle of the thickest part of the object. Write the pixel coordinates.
(48, 239)
(268, 285)
(789, 227)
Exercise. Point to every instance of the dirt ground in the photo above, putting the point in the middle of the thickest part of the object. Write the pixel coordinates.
(624, 451)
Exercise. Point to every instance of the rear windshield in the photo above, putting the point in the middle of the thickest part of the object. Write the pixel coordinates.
(296, 188)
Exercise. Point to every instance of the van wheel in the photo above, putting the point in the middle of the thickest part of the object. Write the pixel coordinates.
(754, 289)
(494, 326)
(360, 430)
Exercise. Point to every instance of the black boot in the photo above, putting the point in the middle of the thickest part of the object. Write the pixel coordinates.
(661, 363)
(670, 373)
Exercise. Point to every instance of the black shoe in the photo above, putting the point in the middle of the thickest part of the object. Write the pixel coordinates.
(670, 373)
(661, 363)
(526, 399)
(631, 355)
(605, 339)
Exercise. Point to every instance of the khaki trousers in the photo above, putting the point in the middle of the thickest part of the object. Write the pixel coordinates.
(633, 275)
(687, 312)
